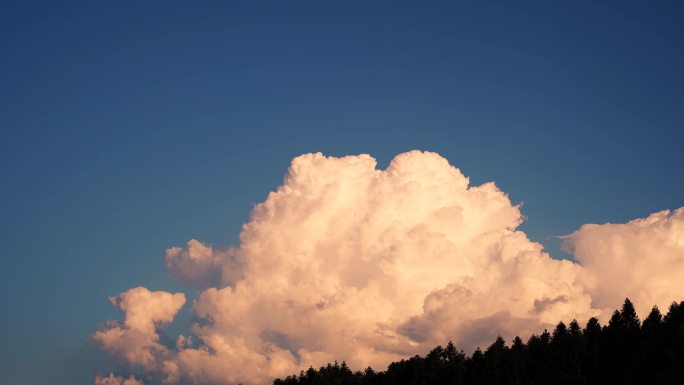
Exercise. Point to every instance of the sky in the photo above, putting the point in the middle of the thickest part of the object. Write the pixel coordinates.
(129, 128)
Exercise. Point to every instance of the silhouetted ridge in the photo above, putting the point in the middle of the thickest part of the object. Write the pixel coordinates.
(625, 351)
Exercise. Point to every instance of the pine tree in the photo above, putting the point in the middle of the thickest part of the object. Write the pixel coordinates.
(625, 351)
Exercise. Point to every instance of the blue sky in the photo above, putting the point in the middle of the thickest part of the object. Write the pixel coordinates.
(130, 127)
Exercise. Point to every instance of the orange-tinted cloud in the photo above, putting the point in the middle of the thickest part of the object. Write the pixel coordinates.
(347, 262)
(642, 259)
(111, 379)
(135, 340)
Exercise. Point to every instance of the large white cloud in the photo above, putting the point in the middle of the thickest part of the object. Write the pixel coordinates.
(347, 262)
(642, 259)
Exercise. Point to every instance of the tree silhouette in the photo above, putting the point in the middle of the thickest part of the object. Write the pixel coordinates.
(625, 351)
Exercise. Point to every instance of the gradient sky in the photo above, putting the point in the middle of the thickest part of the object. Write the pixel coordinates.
(130, 127)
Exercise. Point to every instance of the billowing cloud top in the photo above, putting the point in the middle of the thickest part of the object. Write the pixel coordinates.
(347, 262)
(643, 258)
(135, 340)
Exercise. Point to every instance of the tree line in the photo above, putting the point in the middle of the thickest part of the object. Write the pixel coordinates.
(625, 351)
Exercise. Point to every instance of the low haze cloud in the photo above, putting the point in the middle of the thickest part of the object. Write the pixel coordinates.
(347, 262)
(111, 379)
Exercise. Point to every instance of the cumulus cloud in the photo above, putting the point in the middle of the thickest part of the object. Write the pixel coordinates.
(135, 340)
(111, 379)
(348, 262)
(642, 259)
(203, 266)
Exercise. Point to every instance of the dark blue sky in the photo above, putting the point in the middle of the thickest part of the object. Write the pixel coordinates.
(130, 127)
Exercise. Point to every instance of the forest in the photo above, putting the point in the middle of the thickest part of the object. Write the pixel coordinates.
(625, 351)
